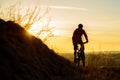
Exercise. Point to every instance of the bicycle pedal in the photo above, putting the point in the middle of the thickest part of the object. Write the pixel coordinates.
(78, 59)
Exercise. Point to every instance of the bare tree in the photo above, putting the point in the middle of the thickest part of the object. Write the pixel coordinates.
(27, 16)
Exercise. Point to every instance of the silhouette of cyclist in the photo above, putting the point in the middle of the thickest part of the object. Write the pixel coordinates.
(77, 39)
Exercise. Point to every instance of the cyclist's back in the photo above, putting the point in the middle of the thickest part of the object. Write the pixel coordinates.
(77, 35)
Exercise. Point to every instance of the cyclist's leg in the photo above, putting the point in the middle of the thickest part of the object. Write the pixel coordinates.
(75, 52)
(83, 55)
(74, 56)
(83, 59)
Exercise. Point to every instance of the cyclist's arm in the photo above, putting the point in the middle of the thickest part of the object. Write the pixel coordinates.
(86, 37)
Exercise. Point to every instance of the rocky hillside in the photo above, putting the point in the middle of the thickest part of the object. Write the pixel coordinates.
(24, 57)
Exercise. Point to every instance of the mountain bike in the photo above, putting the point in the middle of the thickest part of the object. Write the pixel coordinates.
(80, 55)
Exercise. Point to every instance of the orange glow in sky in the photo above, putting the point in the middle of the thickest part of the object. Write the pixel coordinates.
(101, 20)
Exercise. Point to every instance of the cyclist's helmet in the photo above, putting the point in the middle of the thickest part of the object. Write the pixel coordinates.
(80, 26)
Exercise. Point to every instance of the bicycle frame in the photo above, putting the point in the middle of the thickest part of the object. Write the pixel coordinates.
(78, 57)
(79, 52)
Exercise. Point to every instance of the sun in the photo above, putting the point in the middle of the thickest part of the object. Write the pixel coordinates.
(35, 28)
(41, 27)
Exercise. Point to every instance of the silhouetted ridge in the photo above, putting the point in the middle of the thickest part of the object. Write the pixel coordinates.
(24, 57)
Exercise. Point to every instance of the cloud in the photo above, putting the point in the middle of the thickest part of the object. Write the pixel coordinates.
(67, 8)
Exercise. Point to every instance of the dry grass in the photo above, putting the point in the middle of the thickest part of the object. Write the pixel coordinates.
(100, 65)
(92, 73)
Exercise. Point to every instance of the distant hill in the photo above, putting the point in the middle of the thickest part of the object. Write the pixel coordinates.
(98, 59)
(24, 57)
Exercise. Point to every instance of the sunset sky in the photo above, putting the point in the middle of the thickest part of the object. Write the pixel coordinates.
(101, 20)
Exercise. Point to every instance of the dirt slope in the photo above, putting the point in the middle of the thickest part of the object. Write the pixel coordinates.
(24, 57)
